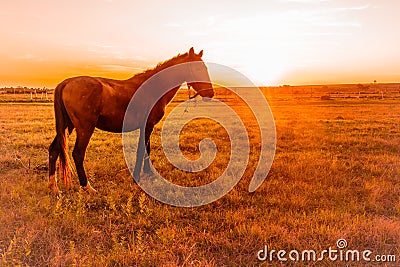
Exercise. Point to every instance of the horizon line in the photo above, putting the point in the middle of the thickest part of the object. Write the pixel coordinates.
(236, 86)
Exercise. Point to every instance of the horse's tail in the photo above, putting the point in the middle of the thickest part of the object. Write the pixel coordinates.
(62, 123)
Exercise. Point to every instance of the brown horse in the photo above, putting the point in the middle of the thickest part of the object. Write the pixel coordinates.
(85, 103)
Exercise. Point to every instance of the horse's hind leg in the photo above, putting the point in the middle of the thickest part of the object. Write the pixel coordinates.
(54, 152)
(82, 141)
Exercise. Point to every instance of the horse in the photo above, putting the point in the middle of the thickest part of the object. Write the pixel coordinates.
(84, 103)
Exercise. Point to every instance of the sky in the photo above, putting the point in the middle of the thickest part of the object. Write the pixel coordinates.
(272, 42)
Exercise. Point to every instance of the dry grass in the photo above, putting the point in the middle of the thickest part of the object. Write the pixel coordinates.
(335, 175)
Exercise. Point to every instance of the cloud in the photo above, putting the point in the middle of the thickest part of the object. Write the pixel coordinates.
(354, 8)
(117, 68)
(173, 25)
(26, 56)
(305, 1)
(29, 57)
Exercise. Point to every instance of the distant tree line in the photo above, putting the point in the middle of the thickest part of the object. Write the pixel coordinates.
(24, 90)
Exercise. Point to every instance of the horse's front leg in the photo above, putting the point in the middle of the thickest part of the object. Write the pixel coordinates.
(149, 130)
(139, 155)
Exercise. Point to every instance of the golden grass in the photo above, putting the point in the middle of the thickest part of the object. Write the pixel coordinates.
(335, 175)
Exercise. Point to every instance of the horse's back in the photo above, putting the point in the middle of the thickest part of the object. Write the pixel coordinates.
(97, 101)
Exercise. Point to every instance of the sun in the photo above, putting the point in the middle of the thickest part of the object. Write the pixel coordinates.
(264, 69)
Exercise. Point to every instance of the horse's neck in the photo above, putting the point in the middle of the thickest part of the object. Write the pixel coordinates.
(167, 98)
(166, 83)
(157, 83)
(142, 77)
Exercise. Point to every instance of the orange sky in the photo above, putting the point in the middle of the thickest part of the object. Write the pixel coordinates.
(272, 42)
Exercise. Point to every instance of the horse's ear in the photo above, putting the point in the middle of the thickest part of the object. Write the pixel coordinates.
(191, 52)
(201, 53)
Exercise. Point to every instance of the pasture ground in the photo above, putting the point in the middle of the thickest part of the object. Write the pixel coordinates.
(336, 174)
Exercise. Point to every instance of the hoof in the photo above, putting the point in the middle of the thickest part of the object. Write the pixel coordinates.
(136, 176)
(54, 188)
(88, 188)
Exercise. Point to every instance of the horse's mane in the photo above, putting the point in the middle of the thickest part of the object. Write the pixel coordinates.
(143, 76)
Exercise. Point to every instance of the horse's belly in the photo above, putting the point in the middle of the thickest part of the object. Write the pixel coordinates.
(116, 125)
(110, 125)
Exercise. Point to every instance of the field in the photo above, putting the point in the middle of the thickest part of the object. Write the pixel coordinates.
(335, 175)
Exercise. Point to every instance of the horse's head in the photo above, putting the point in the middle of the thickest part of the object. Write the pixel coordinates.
(199, 79)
